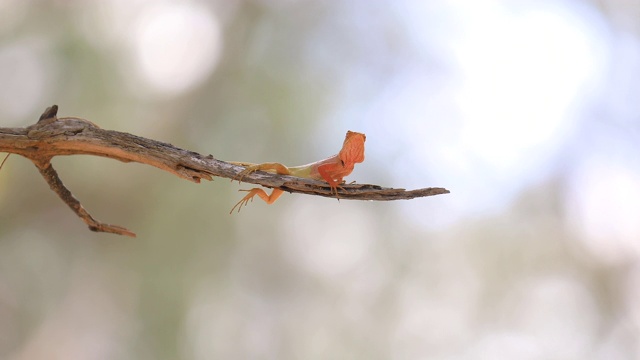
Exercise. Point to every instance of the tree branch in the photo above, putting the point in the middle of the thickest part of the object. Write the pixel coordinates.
(52, 136)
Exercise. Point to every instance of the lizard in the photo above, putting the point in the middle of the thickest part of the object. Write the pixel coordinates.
(332, 170)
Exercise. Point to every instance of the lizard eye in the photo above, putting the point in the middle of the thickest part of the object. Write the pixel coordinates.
(342, 162)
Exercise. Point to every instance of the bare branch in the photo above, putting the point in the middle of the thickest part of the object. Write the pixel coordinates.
(51, 176)
(52, 136)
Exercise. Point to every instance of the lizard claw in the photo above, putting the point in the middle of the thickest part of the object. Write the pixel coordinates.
(243, 202)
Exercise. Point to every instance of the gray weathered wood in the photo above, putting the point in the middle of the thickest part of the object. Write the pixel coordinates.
(52, 136)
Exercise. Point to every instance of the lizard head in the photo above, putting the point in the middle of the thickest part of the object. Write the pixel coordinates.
(353, 148)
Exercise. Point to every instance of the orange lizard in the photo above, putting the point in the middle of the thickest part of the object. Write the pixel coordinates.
(332, 169)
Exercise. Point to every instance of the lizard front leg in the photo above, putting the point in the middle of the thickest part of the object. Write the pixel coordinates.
(326, 172)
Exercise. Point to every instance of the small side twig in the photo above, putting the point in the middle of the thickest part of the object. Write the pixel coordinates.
(51, 176)
(52, 136)
(4, 161)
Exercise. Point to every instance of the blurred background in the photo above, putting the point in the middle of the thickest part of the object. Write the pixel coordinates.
(527, 111)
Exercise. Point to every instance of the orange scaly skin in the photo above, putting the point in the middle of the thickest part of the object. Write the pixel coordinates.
(332, 169)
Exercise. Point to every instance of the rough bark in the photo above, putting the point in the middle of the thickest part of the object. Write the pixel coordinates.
(52, 136)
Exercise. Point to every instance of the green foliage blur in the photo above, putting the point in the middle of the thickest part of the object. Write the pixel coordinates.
(306, 277)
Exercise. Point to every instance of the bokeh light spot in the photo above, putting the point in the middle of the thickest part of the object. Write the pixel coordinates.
(176, 46)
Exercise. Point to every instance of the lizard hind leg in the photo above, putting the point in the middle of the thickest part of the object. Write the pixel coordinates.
(269, 199)
(274, 167)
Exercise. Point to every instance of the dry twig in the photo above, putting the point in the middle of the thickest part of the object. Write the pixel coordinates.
(52, 136)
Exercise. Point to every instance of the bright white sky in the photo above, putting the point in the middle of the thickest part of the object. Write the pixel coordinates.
(518, 77)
